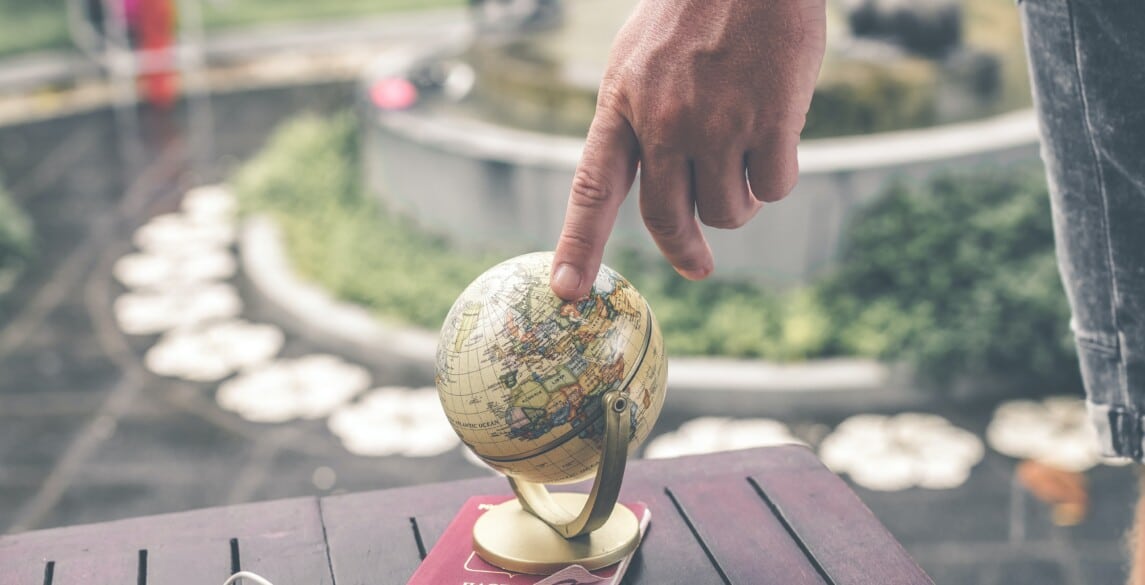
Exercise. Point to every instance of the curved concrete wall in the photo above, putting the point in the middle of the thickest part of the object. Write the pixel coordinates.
(488, 186)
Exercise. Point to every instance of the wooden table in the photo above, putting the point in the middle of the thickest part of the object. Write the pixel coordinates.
(760, 516)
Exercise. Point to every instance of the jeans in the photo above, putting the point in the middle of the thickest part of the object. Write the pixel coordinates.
(1087, 63)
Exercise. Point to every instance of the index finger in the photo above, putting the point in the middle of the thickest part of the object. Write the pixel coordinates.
(602, 180)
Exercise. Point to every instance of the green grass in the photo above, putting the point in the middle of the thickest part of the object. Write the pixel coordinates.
(32, 25)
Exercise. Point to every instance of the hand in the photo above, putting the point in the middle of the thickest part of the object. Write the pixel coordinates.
(698, 94)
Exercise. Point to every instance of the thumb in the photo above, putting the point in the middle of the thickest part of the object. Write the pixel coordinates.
(605, 173)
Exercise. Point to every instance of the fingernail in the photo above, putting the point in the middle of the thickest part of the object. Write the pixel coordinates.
(695, 273)
(566, 279)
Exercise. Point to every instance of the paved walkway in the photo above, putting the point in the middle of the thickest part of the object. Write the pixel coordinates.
(88, 433)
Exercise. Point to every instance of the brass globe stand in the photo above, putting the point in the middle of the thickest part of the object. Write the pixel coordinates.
(540, 533)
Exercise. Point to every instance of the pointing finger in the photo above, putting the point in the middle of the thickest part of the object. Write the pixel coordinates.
(603, 177)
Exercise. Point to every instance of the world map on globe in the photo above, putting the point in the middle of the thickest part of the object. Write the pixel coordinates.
(521, 374)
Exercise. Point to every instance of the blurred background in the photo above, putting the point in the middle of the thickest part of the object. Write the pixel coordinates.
(229, 231)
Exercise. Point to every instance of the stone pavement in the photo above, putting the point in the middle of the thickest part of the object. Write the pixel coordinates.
(88, 433)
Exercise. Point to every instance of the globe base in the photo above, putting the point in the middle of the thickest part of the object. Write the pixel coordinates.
(511, 538)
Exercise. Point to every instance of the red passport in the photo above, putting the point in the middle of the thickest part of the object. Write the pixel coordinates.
(452, 560)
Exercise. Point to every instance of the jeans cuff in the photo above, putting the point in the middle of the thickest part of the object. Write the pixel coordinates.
(1119, 431)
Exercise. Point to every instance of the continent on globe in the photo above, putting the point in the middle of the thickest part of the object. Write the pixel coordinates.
(521, 373)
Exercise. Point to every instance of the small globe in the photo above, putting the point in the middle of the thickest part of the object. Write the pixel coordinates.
(521, 374)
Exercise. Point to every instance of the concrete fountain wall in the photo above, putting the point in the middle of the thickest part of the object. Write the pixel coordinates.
(487, 186)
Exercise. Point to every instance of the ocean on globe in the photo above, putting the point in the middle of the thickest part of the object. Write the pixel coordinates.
(521, 374)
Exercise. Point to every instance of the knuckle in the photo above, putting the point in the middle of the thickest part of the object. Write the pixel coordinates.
(774, 190)
(663, 228)
(668, 115)
(778, 184)
(724, 125)
(612, 97)
(589, 189)
(668, 120)
(571, 239)
(778, 125)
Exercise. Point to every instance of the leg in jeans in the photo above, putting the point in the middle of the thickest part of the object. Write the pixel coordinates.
(1087, 62)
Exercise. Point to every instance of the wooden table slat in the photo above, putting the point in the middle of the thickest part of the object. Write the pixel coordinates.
(102, 569)
(196, 526)
(846, 539)
(296, 555)
(208, 563)
(276, 538)
(742, 533)
(25, 572)
(371, 530)
(431, 525)
(669, 552)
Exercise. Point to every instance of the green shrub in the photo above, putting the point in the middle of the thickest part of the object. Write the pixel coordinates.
(307, 179)
(15, 242)
(958, 278)
(733, 319)
(705, 318)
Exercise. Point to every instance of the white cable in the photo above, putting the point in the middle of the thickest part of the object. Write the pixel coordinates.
(260, 580)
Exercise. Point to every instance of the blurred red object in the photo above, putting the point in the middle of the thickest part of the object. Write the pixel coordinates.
(156, 23)
(393, 93)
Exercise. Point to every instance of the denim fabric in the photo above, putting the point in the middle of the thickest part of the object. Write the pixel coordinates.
(1087, 62)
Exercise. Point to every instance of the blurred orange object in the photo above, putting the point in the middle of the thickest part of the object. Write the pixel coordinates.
(1067, 492)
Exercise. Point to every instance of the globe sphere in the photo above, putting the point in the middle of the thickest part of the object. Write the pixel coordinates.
(521, 374)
